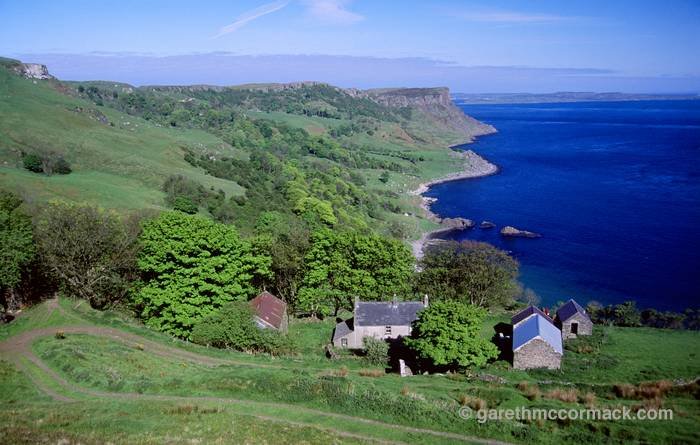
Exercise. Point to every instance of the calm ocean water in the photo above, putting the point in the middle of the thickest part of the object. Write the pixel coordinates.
(614, 188)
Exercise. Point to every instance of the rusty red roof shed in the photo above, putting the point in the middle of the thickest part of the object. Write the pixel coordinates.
(270, 310)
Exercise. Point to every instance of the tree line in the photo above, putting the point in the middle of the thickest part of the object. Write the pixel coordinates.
(174, 269)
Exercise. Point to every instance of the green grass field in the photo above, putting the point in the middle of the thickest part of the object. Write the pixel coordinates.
(149, 388)
(122, 165)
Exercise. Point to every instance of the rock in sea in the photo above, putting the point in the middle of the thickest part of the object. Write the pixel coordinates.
(512, 231)
(487, 225)
(457, 223)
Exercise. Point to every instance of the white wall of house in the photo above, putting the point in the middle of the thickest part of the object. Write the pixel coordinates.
(354, 338)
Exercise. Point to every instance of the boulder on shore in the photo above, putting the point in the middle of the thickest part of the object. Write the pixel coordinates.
(457, 223)
(512, 231)
(487, 225)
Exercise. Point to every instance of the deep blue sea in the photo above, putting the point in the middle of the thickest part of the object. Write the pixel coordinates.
(614, 188)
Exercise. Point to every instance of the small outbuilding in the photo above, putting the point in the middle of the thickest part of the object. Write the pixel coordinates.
(270, 312)
(573, 320)
(527, 313)
(537, 343)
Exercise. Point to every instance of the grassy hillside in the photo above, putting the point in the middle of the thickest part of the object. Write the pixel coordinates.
(143, 387)
(347, 153)
(118, 160)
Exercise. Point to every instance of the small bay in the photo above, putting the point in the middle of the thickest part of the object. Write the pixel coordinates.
(613, 187)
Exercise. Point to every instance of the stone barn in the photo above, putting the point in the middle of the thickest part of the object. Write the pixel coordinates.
(573, 320)
(537, 343)
(527, 313)
(379, 319)
(270, 312)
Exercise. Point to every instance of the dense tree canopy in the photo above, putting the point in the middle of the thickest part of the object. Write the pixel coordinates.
(342, 265)
(447, 334)
(191, 267)
(470, 272)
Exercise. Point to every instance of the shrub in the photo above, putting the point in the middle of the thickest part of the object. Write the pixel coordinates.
(48, 163)
(32, 163)
(530, 391)
(565, 395)
(472, 402)
(232, 327)
(185, 205)
(376, 351)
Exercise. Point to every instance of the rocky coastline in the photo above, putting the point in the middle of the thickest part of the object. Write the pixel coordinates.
(474, 166)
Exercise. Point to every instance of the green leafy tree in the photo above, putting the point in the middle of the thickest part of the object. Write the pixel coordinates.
(91, 251)
(627, 314)
(342, 265)
(470, 272)
(285, 238)
(17, 248)
(447, 334)
(191, 267)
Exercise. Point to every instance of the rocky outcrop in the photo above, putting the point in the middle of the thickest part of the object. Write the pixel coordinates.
(487, 225)
(513, 232)
(457, 223)
(436, 103)
(33, 71)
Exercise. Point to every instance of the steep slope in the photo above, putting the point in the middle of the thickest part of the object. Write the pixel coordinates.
(436, 114)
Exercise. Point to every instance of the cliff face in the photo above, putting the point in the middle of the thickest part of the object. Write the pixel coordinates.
(436, 104)
(33, 71)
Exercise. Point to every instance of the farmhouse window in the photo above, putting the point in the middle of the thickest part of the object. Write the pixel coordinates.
(387, 330)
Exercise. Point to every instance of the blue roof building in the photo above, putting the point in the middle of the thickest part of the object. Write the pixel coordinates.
(537, 343)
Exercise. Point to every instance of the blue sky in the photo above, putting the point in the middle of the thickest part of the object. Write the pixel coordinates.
(471, 46)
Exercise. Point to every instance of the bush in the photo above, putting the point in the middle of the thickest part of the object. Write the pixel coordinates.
(233, 327)
(48, 163)
(185, 205)
(32, 163)
(376, 351)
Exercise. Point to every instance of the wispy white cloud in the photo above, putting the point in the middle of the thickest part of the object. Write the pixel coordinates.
(251, 15)
(512, 17)
(332, 11)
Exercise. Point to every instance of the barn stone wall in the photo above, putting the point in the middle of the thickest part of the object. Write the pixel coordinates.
(536, 354)
(585, 326)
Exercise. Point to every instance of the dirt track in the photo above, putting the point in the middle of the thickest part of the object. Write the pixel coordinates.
(18, 348)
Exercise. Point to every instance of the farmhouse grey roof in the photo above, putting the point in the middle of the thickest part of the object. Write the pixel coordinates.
(570, 309)
(386, 313)
(537, 327)
(343, 328)
(530, 310)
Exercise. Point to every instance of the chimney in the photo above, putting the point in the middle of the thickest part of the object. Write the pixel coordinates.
(394, 301)
(425, 300)
(357, 301)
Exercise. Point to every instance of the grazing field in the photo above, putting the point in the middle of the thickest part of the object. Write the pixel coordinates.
(143, 387)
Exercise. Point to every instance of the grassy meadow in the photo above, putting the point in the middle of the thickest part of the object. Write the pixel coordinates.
(137, 393)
